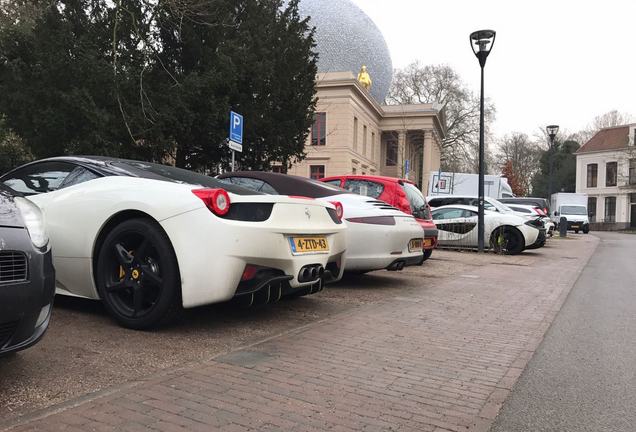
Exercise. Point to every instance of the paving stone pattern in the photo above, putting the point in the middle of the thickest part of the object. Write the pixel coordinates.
(442, 357)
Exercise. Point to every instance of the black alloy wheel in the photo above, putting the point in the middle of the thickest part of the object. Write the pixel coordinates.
(137, 275)
(507, 241)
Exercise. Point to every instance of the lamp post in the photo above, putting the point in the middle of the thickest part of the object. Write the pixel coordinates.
(481, 42)
(552, 131)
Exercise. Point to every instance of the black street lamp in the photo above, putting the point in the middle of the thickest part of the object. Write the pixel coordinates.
(552, 131)
(481, 42)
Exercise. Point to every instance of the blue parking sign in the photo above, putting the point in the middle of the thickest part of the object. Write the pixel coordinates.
(236, 127)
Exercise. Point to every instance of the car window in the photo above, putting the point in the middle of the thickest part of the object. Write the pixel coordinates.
(469, 213)
(38, 178)
(77, 176)
(251, 184)
(364, 187)
(449, 213)
(268, 189)
(335, 182)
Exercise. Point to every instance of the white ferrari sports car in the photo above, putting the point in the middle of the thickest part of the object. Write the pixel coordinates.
(379, 236)
(148, 239)
(504, 232)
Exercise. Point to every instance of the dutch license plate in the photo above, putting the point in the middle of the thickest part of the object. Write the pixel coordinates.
(428, 242)
(316, 244)
(575, 227)
(415, 245)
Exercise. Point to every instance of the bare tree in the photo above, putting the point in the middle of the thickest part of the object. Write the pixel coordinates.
(523, 155)
(418, 84)
(606, 120)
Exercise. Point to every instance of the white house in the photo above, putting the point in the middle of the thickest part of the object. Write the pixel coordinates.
(606, 172)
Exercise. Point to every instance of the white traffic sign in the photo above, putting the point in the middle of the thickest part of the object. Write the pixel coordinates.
(235, 146)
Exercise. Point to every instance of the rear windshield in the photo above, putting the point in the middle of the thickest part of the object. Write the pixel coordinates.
(177, 175)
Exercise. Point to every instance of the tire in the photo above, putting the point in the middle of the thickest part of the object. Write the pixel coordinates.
(507, 241)
(427, 254)
(137, 275)
(586, 230)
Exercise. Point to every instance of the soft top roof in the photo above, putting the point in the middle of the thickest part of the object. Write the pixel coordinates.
(286, 184)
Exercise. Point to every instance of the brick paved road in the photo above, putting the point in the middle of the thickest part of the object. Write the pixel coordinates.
(440, 357)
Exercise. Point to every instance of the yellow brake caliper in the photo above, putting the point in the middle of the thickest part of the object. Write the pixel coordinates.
(122, 273)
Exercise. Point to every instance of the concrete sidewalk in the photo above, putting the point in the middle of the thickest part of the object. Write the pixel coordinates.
(442, 356)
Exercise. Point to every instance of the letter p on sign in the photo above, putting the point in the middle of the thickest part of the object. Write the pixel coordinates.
(236, 127)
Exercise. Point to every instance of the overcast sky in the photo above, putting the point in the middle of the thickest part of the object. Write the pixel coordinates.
(559, 61)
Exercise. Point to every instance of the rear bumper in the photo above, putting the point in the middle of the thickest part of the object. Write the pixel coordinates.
(540, 242)
(376, 247)
(212, 253)
(399, 264)
(431, 235)
(25, 307)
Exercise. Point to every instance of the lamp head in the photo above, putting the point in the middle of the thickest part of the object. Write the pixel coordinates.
(482, 41)
(552, 131)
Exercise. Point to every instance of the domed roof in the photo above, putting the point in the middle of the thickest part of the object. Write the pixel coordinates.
(346, 39)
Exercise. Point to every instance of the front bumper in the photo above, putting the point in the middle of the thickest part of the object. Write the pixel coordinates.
(212, 253)
(375, 247)
(23, 303)
(572, 226)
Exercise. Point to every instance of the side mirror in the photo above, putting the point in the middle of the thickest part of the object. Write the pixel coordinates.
(556, 213)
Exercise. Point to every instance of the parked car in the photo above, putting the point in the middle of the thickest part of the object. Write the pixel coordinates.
(27, 277)
(534, 211)
(542, 203)
(504, 233)
(494, 205)
(148, 239)
(400, 193)
(379, 236)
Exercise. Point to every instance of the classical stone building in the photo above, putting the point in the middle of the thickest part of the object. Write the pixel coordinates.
(606, 172)
(354, 134)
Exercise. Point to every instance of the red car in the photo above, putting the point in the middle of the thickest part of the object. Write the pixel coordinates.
(400, 193)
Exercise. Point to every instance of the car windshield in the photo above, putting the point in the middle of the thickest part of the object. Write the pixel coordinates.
(574, 210)
(178, 175)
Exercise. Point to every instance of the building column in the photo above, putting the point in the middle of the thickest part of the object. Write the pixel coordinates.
(401, 152)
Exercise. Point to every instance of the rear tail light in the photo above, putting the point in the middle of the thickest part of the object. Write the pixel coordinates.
(539, 211)
(374, 220)
(216, 200)
(339, 209)
(249, 272)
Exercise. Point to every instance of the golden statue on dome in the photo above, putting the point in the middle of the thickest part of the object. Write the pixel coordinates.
(364, 78)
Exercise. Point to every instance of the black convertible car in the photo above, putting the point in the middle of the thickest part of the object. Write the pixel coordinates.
(27, 277)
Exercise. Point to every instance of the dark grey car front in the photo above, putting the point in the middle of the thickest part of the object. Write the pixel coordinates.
(27, 277)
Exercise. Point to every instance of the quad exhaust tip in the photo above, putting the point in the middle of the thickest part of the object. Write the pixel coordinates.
(311, 272)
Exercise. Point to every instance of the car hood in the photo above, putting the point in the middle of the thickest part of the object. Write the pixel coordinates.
(9, 214)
